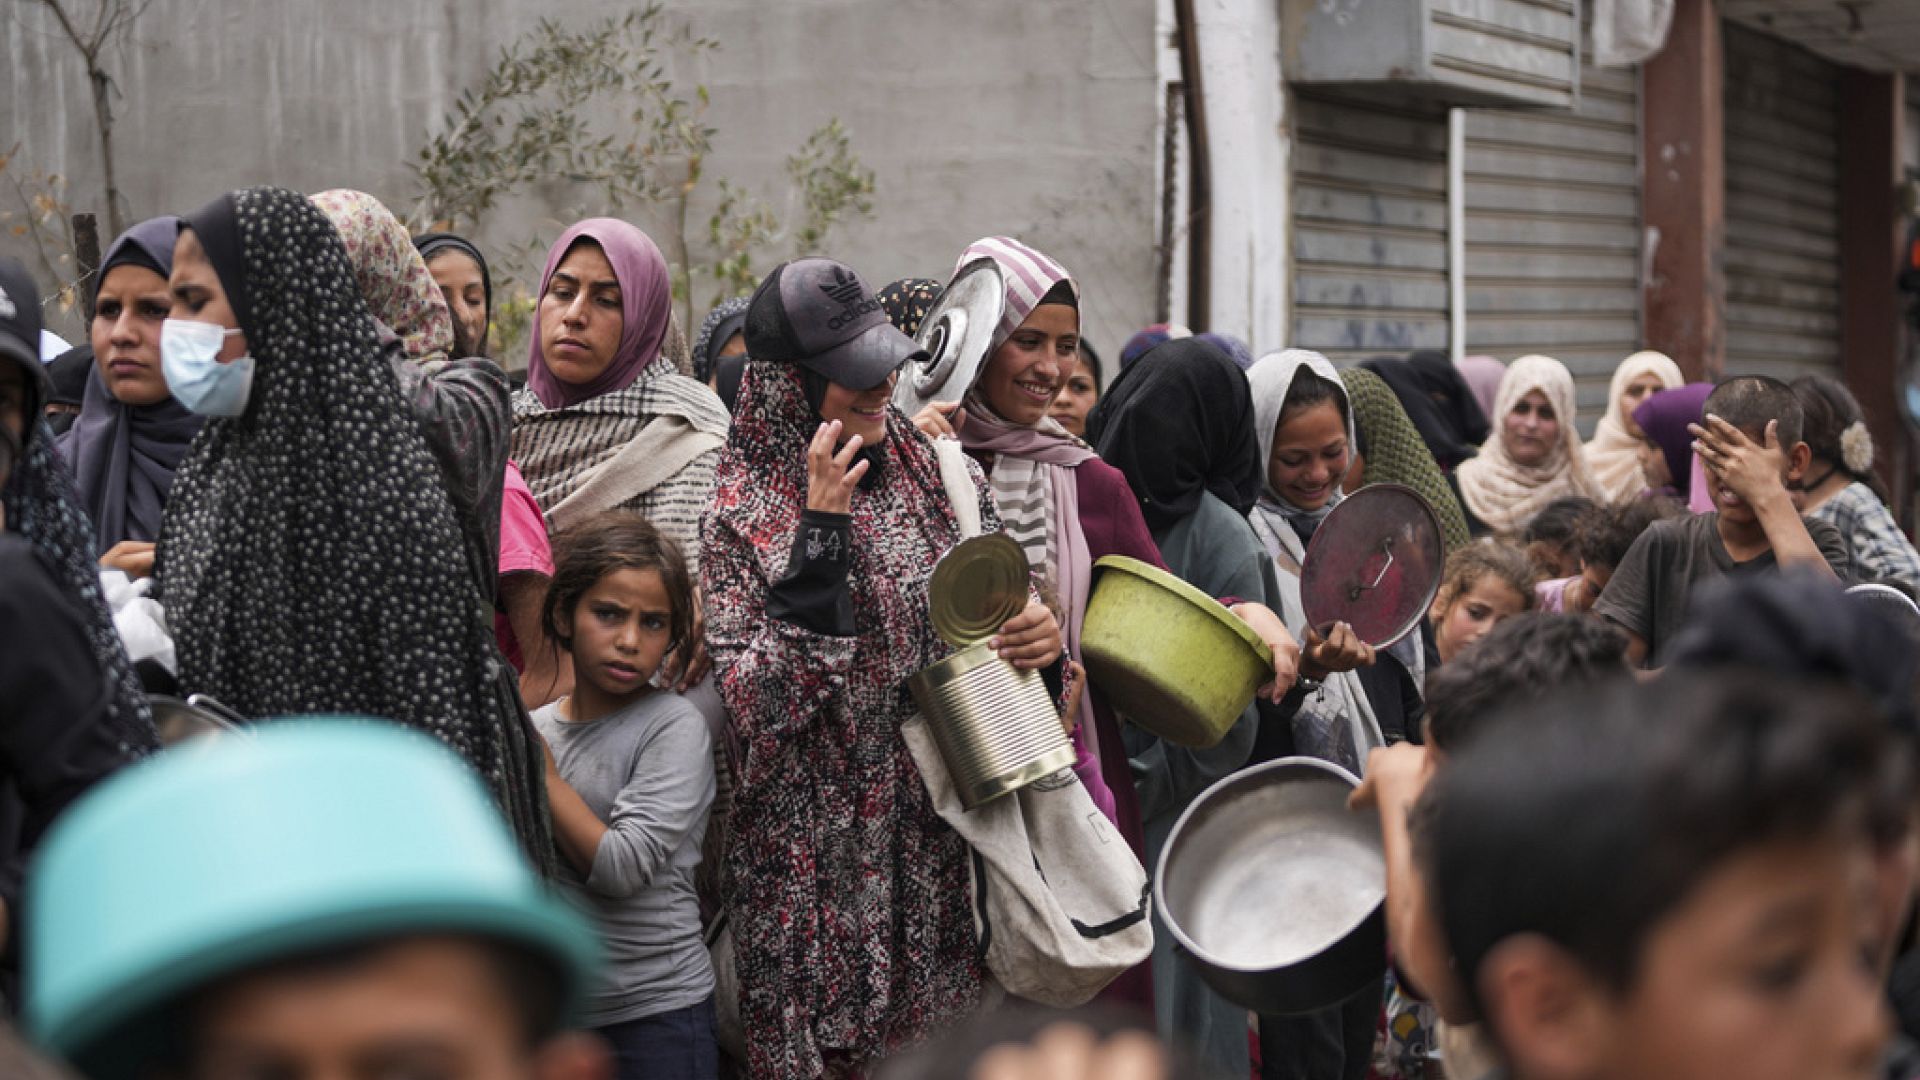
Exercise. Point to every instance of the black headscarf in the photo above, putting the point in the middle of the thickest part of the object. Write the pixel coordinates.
(433, 243)
(1438, 401)
(124, 456)
(907, 302)
(728, 317)
(42, 508)
(1179, 422)
(309, 559)
(217, 225)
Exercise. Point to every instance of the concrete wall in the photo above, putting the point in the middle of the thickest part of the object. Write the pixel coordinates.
(989, 116)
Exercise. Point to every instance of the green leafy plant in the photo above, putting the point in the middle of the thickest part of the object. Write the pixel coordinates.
(544, 119)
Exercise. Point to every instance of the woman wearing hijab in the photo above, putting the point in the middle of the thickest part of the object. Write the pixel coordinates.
(847, 893)
(1059, 501)
(720, 349)
(1391, 451)
(460, 271)
(1534, 455)
(1482, 375)
(1438, 401)
(606, 422)
(1178, 423)
(131, 433)
(1613, 454)
(304, 554)
(1666, 446)
(462, 408)
(73, 709)
(1304, 424)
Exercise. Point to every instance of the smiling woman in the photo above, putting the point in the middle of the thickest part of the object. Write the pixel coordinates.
(131, 434)
(1059, 501)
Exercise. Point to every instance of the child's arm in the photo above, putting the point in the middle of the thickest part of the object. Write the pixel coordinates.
(577, 831)
(1396, 775)
(665, 800)
(1752, 471)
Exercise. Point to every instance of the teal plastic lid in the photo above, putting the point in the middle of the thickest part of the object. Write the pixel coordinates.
(234, 852)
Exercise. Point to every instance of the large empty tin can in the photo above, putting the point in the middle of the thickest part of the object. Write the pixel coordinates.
(996, 727)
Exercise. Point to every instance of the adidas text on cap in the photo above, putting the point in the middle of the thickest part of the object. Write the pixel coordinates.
(818, 313)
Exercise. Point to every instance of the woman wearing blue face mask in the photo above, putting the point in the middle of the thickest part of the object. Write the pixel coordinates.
(310, 560)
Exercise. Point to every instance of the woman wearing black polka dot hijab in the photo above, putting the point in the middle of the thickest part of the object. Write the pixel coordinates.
(310, 561)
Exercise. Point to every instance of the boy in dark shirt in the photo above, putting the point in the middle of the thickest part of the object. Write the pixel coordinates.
(1750, 444)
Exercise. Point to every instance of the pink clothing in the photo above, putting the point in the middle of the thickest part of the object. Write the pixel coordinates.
(523, 550)
(1552, 595)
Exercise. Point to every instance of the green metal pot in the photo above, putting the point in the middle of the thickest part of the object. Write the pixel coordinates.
(1167, 656)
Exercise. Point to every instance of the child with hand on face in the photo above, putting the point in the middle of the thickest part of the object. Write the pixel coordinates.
(630, 779)
(1750, 443)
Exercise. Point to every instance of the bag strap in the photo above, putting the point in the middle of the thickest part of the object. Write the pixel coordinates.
(959, 484)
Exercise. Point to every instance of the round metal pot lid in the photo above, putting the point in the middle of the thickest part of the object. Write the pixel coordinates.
(977, 587)
(1375, 564)
(957, 335)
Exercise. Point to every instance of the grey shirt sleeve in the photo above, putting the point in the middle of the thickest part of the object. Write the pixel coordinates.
(664, 801)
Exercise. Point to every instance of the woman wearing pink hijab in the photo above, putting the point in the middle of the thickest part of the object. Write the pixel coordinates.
(1483, 375)
(606, 422)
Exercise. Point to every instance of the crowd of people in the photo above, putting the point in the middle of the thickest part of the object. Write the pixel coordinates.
(641, 627)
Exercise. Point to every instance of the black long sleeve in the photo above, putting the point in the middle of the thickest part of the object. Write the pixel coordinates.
(813, 594)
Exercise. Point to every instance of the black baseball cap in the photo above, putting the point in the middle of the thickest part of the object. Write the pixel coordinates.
(817, 313)
(20, 331)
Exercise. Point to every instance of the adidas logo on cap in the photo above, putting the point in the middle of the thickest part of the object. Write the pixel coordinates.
(844, 288)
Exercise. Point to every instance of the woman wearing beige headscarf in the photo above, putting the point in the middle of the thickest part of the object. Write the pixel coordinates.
(1613, 454)
(1534, 455)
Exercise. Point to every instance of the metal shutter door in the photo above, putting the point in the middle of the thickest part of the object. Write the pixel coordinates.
(1553, 232)
(1369, 227)
(1783, 220)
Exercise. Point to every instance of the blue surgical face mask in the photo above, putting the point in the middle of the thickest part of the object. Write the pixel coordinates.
(197, 379)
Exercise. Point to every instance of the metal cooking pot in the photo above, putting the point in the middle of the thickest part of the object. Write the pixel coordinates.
(177, 721)
(1276, 890)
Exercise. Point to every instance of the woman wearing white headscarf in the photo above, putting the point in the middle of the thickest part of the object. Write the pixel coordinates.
(1534, 455)
(1613, 454)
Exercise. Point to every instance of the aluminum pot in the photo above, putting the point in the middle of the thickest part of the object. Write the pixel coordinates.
(1276, 891)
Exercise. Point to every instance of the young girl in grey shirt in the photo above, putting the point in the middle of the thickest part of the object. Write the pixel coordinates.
(630, 779)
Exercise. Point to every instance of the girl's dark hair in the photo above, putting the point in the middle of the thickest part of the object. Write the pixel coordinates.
(602, 544)
(1827, 410)
(1309, 390)
(1559, 520)
(1092, 360)
(1605, 533)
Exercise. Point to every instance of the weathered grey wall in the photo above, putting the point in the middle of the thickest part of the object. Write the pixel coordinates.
(978, 117)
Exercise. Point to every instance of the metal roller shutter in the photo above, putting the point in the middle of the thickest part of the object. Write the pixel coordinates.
(1783, 219)
(1553, 232)
(1369, 227)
